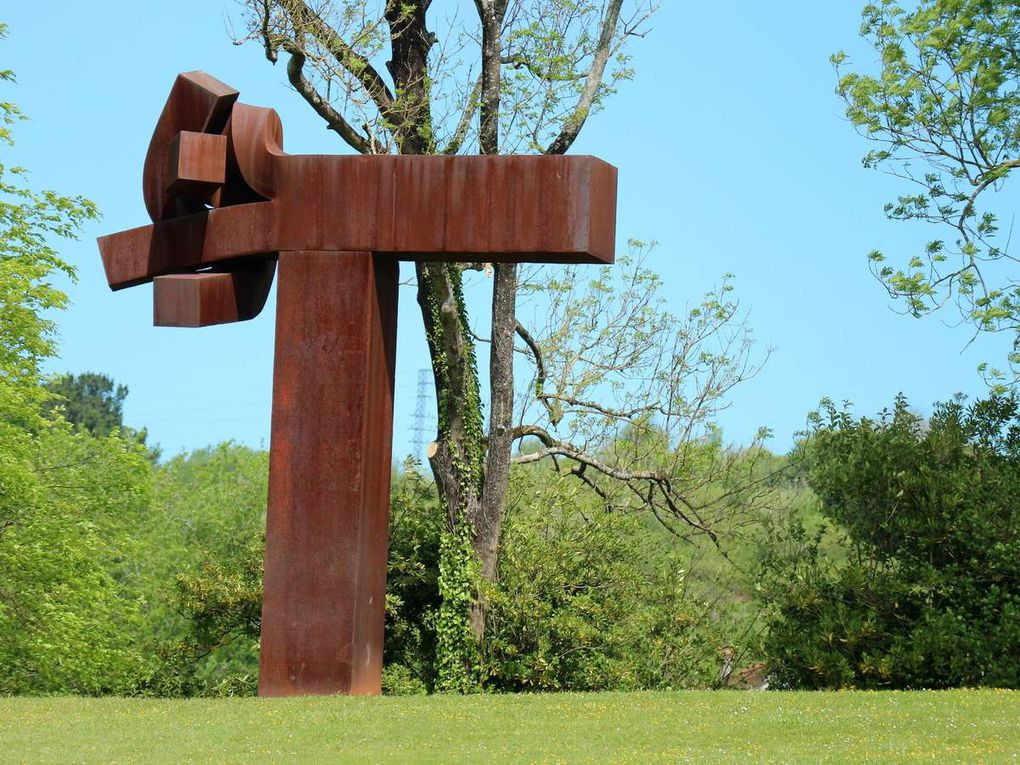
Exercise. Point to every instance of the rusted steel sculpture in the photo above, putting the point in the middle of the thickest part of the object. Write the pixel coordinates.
(228, 207)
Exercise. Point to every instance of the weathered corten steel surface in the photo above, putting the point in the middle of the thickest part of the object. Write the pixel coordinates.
(329, 474)
(197, 103)
(227, 205)
(197, 165)
(539, 209)
(208, 297)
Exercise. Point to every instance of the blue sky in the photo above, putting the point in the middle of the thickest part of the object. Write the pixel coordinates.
(733, 155)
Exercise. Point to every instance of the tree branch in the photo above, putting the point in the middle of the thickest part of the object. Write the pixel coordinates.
(491, 14)
(574, 123)
(540, 373)
(334, 120)
(991, 176)
(304, 18)
(555, 446)
(466, 117)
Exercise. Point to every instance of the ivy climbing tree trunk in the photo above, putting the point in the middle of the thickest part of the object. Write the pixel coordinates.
(457, 462)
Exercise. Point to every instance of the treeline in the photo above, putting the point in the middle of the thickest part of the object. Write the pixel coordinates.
(886, 556)
(586, 599)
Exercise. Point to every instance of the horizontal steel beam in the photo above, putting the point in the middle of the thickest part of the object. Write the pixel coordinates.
(535, 209)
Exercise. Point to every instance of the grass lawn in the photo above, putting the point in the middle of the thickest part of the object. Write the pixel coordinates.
(726, 726)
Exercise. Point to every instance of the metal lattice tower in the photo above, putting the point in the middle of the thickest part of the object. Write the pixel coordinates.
(418, 443)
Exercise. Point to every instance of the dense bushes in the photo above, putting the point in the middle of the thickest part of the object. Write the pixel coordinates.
(204, 573)
(590, 599)
(586, 599)
(117, 576)
(918, 583)
(123, 577)
(412, 584)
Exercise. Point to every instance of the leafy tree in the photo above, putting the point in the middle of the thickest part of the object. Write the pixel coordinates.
(944, 108)
(68, 621)
(90, 400)
(514, 76)
(70, 611)
(923, 589)
(624, 392)
(28, 263)
(94, 402)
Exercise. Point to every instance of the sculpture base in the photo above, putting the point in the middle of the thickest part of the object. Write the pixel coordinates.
(329, 476)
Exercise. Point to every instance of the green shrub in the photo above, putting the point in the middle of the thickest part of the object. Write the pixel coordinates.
(202, 571)
(926, 590)
(412, 584)
(587, 599)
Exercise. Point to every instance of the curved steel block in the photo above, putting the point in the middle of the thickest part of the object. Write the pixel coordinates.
(198, 103)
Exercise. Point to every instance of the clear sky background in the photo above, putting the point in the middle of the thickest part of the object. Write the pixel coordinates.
(733, 154)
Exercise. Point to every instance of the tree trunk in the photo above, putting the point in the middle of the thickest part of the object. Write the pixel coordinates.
(487, 520)
(457, 463)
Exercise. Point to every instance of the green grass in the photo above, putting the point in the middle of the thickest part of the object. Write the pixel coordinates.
(949, 726)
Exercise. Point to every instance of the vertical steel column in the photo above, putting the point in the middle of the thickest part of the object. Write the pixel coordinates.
(329, 474)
